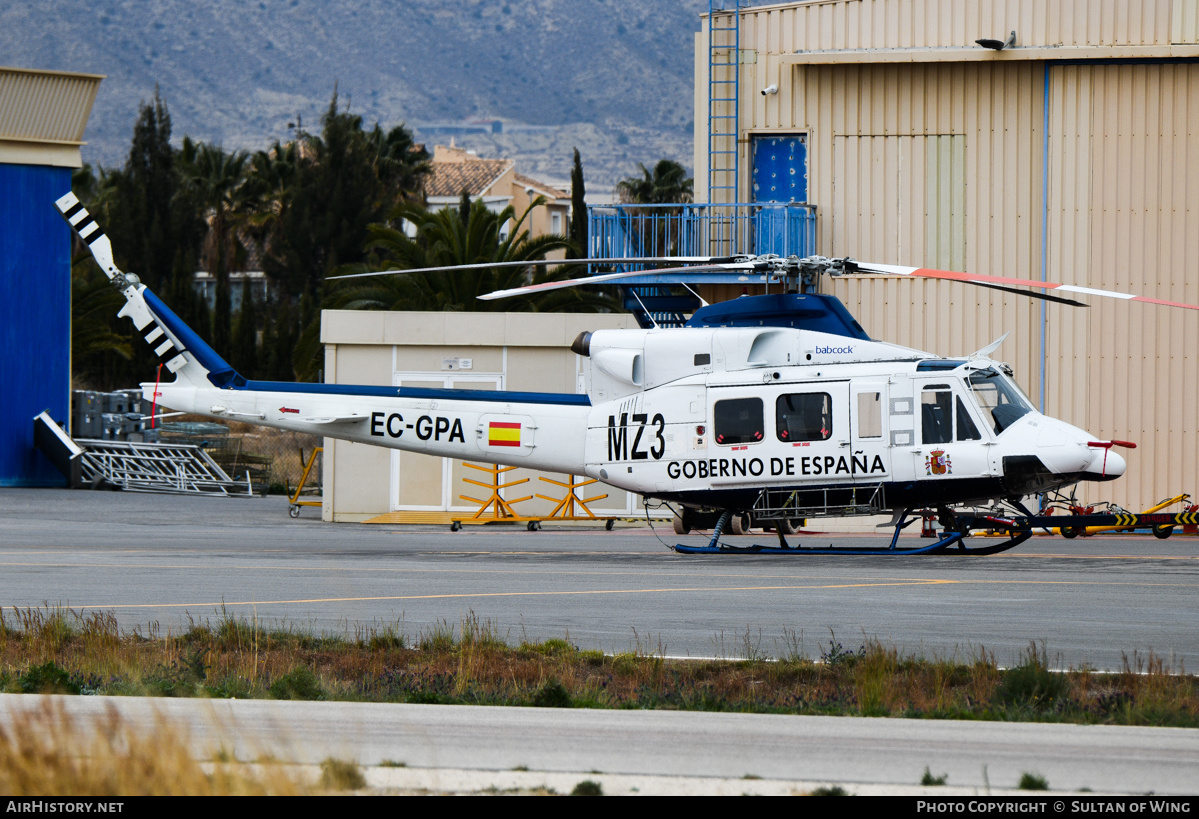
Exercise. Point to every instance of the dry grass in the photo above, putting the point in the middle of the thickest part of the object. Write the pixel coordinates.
(44, 752)
(60, 650)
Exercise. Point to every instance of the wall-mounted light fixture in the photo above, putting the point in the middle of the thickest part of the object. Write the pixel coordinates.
(997, 44)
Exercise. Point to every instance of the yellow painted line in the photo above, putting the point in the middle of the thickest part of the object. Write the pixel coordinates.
(1103, 557)
(481, 571)
(882, 581)
(494, 594)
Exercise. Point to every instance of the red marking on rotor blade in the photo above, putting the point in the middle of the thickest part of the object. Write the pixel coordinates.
(1166, 303)
(933, 273)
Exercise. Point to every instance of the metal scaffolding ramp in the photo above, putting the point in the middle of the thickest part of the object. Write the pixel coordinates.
(176, 468)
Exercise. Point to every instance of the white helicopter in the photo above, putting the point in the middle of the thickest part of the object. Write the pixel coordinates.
(779, 406)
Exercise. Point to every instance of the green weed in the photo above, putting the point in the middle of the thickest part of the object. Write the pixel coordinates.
(339, 775)
(1032, 782)
(928, 780)
(298, 684)
(588, 787)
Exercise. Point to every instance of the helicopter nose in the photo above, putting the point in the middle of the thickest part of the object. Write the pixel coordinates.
(1105, 463)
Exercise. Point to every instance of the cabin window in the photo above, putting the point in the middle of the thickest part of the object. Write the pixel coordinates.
(936, 416)
(739, 421)
(870, 415)
(804, 416)
(939, 423)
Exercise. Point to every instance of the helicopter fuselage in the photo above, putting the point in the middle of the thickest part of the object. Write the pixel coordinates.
(714, 416)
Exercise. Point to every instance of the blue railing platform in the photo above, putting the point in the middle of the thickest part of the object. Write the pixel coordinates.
(615, 231)
(704, 230)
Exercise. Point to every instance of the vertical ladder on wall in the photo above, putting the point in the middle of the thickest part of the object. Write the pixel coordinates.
(724, 50)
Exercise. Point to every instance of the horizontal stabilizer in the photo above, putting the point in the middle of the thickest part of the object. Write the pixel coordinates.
(333, 419)
(64, 453)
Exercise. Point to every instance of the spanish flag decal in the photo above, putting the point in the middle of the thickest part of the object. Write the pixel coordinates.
(503, 433)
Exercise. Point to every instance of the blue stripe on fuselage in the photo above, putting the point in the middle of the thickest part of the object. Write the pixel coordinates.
(417, 392)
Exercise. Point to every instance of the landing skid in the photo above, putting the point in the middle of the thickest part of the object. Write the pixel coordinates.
(950, 542)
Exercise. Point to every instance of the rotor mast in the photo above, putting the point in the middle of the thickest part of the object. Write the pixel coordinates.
(801, 275)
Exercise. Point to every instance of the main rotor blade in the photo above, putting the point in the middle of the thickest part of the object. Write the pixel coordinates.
(603, 278)
(992, 281)
(1032, 294)
(543, 263)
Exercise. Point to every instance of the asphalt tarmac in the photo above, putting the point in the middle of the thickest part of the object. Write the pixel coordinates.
(458, 748)
(163, 562)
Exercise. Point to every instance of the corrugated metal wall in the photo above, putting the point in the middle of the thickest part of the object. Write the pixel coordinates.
(1011, 167)
(45, 106)
(1142, 236)
(856, 24)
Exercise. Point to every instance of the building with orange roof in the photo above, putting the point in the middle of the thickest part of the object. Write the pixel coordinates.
(497, 183)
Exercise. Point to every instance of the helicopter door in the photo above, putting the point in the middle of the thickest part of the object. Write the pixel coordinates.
(951, 444)
(871, 454)
(812, 431)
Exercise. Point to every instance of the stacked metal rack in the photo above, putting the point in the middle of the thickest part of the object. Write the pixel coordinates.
(141, 467)
(111, 416)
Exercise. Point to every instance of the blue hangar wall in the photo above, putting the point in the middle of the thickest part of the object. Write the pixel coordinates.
(35, 317)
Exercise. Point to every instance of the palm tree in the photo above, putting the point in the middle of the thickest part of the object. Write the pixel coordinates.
(400, 164)
(214, 179)
(657, 228)
(668, 184)
(444, 239)
(269, 180)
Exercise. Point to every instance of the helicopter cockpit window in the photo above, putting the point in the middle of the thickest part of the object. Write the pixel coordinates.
(999, 398)
(739, 421)
(966, 429)
(804, 417)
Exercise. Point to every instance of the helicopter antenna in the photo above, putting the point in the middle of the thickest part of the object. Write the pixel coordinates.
(648, 314)
(701, 298)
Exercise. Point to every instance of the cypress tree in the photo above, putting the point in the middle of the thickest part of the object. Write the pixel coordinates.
(578, 211)
(285, 336)
(149, 193)
(464, 207)
(222, 318)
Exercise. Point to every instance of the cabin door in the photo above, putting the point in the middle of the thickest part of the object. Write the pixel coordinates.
(870, 445)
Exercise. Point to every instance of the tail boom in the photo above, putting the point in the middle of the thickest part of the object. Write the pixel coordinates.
(541, 433)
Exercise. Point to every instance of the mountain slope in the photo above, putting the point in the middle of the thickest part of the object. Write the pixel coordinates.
(619, 74)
